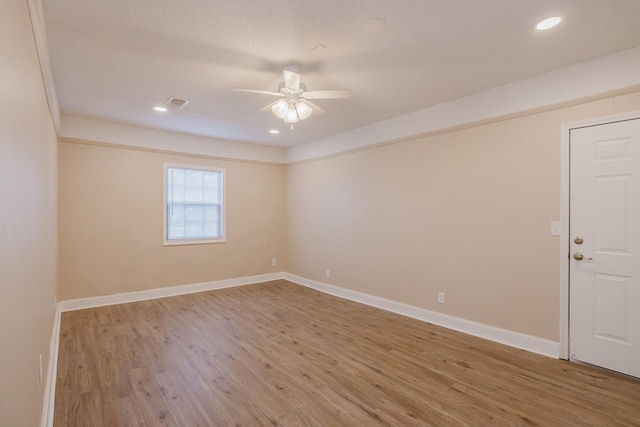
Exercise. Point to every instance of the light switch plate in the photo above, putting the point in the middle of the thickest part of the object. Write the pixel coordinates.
(555, 228)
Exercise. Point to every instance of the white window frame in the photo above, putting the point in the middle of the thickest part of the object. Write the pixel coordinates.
(223, 213)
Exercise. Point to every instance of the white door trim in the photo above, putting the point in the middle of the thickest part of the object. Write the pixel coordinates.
(564, 216)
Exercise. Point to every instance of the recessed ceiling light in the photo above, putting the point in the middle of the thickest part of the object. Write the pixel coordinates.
(160, 109)
(274, 131)
(548, 23)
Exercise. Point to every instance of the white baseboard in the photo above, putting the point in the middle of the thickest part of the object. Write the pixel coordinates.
(81, 303)
(502, 336)
(52, 374)
(492, 333)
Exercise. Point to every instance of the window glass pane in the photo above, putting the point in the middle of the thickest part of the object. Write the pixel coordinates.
(194, 221)
(175, 215)
(211, 187)
(194, 204)
(193, 185)
(212, 221)
(176, 186)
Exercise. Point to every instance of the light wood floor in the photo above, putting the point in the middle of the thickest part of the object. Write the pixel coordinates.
(283, 355)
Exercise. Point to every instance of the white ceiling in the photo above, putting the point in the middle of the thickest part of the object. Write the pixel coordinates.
(114, 60)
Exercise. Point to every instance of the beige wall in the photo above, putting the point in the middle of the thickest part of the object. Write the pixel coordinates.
(467, 213)
(111, 223)
(27, 220)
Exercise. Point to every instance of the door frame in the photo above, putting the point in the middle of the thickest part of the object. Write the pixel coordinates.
(565, 163)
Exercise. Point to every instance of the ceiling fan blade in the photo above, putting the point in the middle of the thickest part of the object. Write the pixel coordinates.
(269, 105)
(265, 92)
(327, 94)
(291, 78)
(316, 110)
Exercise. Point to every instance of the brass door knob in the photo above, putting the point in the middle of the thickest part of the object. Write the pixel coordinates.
(579, 257)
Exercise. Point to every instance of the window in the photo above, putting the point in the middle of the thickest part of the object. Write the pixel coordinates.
(194, 205)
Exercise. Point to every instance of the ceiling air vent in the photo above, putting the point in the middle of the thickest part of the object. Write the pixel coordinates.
(175, 103)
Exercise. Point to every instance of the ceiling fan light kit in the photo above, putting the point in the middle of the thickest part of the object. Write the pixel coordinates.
(296, 104)
(291, 111)
(303, 109)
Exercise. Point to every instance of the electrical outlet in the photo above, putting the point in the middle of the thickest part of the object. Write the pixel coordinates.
(40, 369)
(328, 274)
(440, 297)
(273, 261)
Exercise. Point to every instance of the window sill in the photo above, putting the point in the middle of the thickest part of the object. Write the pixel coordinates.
(181, 242)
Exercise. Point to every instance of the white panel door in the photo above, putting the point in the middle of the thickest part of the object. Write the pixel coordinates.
(604, 281)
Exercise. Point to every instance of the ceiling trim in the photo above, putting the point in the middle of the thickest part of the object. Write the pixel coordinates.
(168, 152)
(36, 13)
(577, 83)
(92, 131)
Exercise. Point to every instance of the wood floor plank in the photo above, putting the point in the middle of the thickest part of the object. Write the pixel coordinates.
(284, 355)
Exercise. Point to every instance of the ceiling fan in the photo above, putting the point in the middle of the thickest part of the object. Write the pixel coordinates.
(296, 104)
